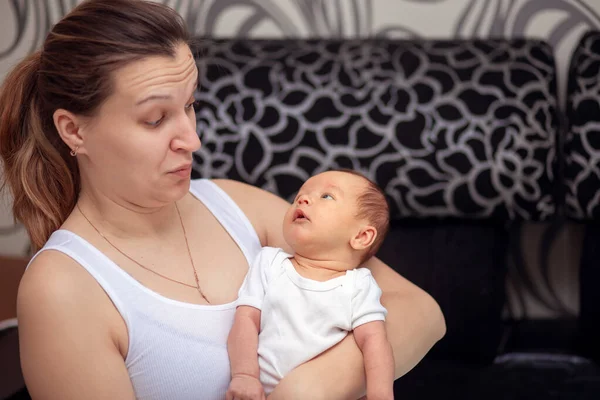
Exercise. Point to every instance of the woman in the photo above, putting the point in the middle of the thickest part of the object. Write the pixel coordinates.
(133, 292)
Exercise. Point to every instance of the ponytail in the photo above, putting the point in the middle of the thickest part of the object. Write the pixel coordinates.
(73, 72)
(43, 179)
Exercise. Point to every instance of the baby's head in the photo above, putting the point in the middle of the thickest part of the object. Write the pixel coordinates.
(337, 215)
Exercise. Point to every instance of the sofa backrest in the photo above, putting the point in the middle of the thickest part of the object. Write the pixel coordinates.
(582, 142)
(459, 131)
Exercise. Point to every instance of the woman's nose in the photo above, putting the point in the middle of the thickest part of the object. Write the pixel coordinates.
(187, 139)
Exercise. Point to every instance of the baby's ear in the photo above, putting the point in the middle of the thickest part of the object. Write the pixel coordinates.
(363, 238)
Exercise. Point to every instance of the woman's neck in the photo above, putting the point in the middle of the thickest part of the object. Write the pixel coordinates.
(120, 218)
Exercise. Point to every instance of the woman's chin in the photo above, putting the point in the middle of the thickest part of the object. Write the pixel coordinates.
(169, 193)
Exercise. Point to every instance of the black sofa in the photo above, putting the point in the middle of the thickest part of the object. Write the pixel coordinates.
(466, 138)
(582, 181)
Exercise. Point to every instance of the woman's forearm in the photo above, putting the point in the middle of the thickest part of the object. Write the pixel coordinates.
(414, 324)
(336, 374)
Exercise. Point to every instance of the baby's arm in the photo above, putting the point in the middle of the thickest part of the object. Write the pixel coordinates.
(378, 358)
(242, 345)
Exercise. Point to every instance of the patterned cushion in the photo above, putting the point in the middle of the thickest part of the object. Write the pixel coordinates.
(461, 129)
(582, 143)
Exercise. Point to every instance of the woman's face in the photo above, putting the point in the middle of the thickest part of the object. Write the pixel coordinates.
(138, 148)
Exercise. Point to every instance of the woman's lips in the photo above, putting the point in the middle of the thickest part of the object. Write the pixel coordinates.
(182, 172)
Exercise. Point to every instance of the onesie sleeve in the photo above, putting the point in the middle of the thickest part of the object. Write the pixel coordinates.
(257, 279)
(366, 304)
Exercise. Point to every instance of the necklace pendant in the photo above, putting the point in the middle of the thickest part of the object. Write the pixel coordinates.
(202, 294)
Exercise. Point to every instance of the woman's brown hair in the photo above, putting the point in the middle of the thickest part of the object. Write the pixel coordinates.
(73, 71)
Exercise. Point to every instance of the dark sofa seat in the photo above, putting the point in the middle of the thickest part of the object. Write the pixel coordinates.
(513, 377)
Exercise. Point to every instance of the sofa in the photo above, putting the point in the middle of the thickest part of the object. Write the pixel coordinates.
(470, 144)
(468, 140)
(582, 181)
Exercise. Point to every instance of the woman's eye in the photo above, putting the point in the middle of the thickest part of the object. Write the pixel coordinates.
(154, 124)
(192, 106)
(327, 196)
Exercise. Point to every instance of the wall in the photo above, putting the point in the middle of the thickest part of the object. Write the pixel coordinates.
(24, 23)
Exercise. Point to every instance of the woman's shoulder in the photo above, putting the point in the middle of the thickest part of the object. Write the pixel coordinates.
(50, 270)
(233, 186)
(240, 192)
(55, 283)
(61, 310)
(265, 210)
(247, 195)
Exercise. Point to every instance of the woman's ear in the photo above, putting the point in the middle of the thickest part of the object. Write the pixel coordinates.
(69, 127)
(363, 238)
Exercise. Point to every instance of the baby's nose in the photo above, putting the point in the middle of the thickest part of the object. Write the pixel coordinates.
(303, 200)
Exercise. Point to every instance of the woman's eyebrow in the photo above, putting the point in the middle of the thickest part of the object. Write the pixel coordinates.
(154, 97)
(163, 96)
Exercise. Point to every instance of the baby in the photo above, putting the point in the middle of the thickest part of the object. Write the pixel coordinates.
(291, 308)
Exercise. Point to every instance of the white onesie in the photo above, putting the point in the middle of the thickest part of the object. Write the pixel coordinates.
(301, 317)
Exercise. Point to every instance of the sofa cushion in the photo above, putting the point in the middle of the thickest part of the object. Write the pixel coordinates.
(516, 376)
(462, 264)
(582, 142)
(462, 129)
(589, 295)
(524, 376)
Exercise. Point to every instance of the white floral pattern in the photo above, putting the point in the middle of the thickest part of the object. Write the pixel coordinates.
(582, 144)
(461, 129)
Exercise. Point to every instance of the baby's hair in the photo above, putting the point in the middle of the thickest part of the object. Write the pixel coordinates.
(373, 207)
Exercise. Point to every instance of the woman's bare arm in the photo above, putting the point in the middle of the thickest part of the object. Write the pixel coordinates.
(66, 331)
(414, 317)
(414, 322)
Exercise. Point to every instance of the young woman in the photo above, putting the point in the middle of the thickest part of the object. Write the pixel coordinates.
(133, 291)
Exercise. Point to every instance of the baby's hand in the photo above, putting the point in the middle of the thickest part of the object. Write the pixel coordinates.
(379, 395)
(245, 387)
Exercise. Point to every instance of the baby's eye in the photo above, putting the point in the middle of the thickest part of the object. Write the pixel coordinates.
(327, 196)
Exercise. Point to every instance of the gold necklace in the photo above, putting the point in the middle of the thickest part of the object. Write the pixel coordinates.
(197, 287)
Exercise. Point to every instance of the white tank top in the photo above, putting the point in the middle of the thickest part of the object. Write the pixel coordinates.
(176, 350)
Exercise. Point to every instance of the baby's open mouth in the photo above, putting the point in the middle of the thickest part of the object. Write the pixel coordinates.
(300, 216)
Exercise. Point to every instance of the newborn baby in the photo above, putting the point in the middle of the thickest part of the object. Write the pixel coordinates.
(293, 307)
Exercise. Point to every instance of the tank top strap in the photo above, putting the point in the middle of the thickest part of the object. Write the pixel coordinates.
(229, 214)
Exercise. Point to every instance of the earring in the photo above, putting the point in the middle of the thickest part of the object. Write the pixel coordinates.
(74, 151)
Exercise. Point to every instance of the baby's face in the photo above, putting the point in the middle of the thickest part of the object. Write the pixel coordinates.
(323, 215)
